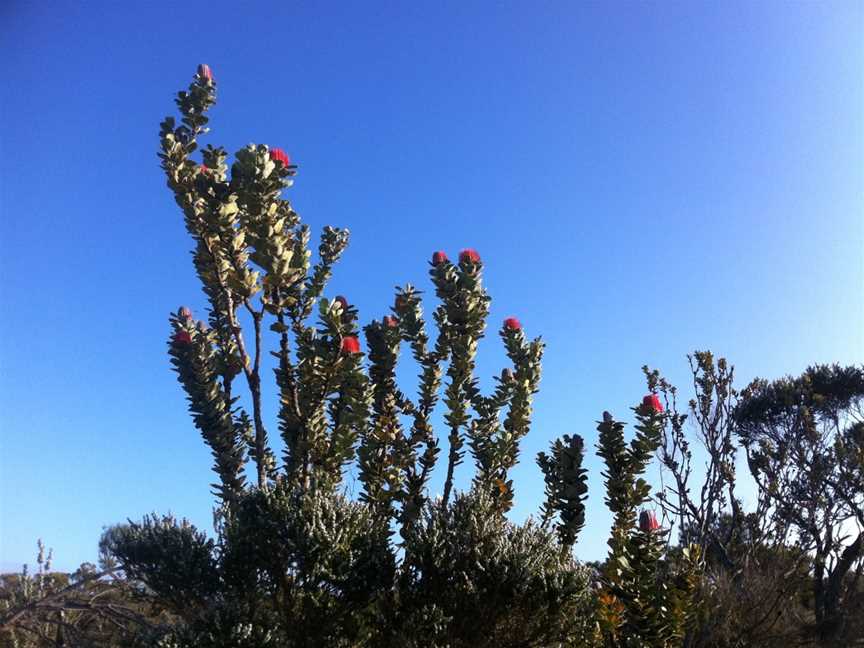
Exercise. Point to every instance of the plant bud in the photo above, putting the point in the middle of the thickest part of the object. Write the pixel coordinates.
(204, 72)
(469, 255)
(278, 155)
(651, 403)
(648, 522)
(341, 300)
(607, 417)
(438, 258)
(182, 338)
(185, 313)
(390, 322)
(350, 345)
(512, 324)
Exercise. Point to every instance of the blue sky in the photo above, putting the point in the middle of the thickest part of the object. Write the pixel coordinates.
(641, 179)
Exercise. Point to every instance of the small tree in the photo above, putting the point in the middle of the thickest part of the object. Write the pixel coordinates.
(752, 577)
(804, 439)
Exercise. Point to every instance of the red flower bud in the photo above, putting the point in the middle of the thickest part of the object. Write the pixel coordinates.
(648, 522)
(390, 322)
(185, 313)
(277, 154)
(512, 323)
(350, 344)
(182, 338)
(204, 72)
(652, 403)
(469, 255)
(340, 299)
(438, 258)
(203, 168)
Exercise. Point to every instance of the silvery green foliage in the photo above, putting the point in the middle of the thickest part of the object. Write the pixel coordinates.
(638, 605)
(289, 543)
(566, 486)
(291, 568)
(174, 559)
(472, 578)
(220, 632)
(294, 562)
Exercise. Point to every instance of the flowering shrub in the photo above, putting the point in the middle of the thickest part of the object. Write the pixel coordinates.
(648, 522)
(294, 561)
(639, 605)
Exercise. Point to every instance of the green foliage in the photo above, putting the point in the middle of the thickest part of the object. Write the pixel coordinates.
(252, 254)
(805, 449)
(471, 578)
(294, 563)
(566, 486)
(196, 364)
(643, 602)
(173, 557)
(315, 555)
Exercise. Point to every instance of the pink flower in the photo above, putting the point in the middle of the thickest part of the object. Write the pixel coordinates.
(204, 72)
(648, 522)
(390, 322)
(185, 313)
(652, 403)
(182, 338)
(350, 344)
(469, 255)
(278, 155)
(512, 324)
(438, 258)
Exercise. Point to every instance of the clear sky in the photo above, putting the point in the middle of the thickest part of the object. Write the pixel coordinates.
(641, 179)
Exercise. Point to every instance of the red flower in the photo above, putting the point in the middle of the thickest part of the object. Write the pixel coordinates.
(390, 322)
(182, 337)
(438, 258)
(512, 323)
(343, 301)
(648, 522)
(277, 154)
(185, 313)
(350, 344)
(652, 403)
(204, 72)
(469, 255)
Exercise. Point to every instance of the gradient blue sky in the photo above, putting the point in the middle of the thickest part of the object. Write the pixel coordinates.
(642, 179)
